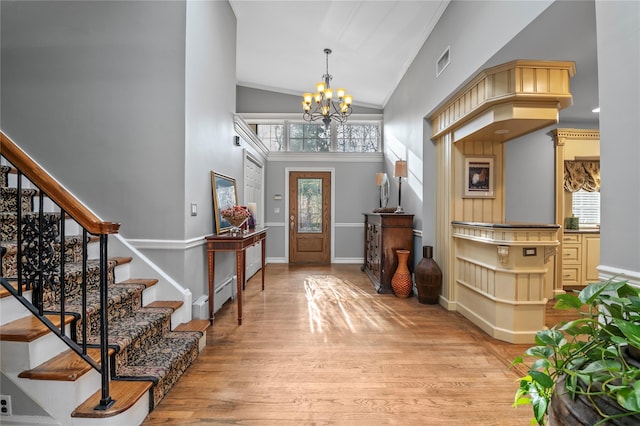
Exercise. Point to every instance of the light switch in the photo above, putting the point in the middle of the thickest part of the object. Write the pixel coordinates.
(276, 210)
(194, 209)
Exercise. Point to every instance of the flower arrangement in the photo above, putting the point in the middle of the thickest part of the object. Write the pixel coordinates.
(235, 215)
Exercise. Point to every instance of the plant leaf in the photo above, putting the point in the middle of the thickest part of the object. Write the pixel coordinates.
(592, 291)
(542, 379)
(552, 337)
(630, 330)
(604, 365)
(629, 398)
(567, 301)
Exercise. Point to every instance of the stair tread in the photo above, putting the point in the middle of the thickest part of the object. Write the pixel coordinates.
(4, 292)
(122, 260)
(29, 328)
(147, 282)
(172, 304)
(125, 393)
(66, 366)
(194, 325)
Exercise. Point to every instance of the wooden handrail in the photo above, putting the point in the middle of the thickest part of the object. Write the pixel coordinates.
(54, 190)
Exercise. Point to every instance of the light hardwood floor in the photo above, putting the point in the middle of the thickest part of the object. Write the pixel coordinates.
(317, 351)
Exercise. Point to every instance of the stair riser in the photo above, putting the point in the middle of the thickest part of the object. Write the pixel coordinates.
(118, 308)
(11, 309)
(61, 398)
(20, 356)
(8, 226)
(144, 339)
(4, 176)
(9, 223)
(8, 201)
(72, 253)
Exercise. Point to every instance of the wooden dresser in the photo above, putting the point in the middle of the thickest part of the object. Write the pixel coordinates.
(384, 233)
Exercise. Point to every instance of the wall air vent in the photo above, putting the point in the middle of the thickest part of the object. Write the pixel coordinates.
(443, 61)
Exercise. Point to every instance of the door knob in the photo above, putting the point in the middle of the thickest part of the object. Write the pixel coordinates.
(291, 218)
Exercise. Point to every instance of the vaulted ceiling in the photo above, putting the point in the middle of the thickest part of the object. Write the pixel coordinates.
(280, 45)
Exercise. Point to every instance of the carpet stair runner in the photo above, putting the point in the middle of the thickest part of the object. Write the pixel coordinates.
(141, 339)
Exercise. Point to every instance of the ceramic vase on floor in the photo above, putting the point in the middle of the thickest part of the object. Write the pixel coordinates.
(428, 278)
(401, 282)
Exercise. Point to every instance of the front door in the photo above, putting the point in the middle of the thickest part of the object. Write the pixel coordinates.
(310, 217)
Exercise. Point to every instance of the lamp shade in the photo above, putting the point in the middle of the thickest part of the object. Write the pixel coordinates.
(379, 178)
(401, 169)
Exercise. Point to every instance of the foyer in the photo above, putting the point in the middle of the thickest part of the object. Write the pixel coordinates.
(320, 346)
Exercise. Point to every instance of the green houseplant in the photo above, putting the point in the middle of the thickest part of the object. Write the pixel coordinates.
(593, 359)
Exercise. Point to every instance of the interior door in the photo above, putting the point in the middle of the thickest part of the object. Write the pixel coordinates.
(310, 217)
(253, 198)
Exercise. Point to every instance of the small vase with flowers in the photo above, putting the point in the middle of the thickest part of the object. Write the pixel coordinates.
(236, 216)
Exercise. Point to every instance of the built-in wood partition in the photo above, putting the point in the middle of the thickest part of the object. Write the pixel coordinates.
(497, 105)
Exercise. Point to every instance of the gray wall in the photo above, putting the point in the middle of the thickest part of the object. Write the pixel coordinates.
(94, 91)
(129, 105)
(530, 175)
(475, 31)
(618, 26)
(355, 193)
(251, 100)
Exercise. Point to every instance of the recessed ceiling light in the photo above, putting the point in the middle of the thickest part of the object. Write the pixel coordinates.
(596, 110)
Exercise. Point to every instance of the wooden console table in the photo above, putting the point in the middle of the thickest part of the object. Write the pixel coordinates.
(239, 245)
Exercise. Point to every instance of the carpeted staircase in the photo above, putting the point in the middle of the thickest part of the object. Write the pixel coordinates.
(141, 339)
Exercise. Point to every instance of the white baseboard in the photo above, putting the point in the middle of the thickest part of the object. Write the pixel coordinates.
(607, 272)
(28, 420)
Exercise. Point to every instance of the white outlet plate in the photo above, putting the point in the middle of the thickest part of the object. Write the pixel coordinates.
(5, 405)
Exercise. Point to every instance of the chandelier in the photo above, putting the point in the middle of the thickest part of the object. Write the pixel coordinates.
(323, 104)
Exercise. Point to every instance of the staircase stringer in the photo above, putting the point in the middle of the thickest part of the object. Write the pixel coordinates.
(166, 289)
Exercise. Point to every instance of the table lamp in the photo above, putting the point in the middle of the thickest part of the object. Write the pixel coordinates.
(400, 171)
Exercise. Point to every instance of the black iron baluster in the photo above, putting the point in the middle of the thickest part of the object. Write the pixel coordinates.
(40, 268)
(19, 253)
(61, 273)
(105, 401)
(84, 290)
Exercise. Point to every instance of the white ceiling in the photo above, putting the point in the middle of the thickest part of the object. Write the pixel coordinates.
(280, 44)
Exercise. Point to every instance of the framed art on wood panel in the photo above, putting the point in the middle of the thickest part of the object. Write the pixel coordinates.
(478, 177)
(225, 195)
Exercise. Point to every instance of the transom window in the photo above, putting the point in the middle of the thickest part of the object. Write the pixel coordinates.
(301, 136)
(309, 137)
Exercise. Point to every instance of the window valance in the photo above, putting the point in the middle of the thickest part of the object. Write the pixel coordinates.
(582, 175)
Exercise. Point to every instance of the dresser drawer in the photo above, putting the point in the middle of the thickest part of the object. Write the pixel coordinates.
(571, 238)
(571, 275)
(571, 253)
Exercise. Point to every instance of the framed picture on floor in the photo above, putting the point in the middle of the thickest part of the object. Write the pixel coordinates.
(479, 180)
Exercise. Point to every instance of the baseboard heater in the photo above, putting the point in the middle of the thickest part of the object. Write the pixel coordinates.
(222, 293)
